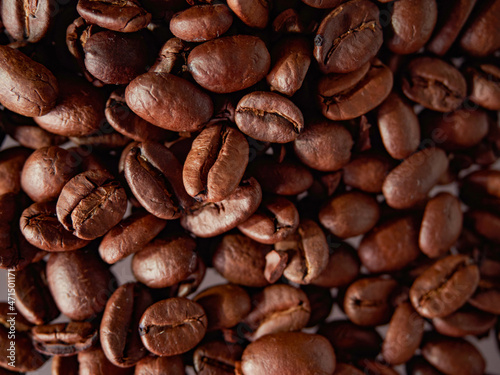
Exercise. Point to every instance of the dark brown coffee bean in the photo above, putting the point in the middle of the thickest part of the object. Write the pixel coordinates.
(342, 268)
(409, 183)
(201, 22)
(91, 203)
(216, 358)
(290, 352)
(291, 57)
(321, 302)
(484, 223)
(212, 219)
(487, 295)
(64, 339)
(154, 176)
(399, 127)
(480, 37)
(169, 102)
(367, 301)
(371, 367)
(27, 22)
(344, 97)
(367, 172)
(165, 261)
(350, 340)
(404, 335)
(322, 3)
(345, 369)
(28, 88)
(94, 362)
(288, 21)
(419, 366)
(130, 236)
(225, 305)
(79, 110)
(227, 64)
(451, 19)
(276, 262)
(348, 37)
(253, 14)
(390, 246)
(11, 165)
(216, 163)
(484, 86)
(350, 214)
(80, 283)
(46, 172)
(412, 22)
(241, 260)
(269, 117)
(125, 17)
(435, 84)
(172, 326)
(153, 365)
(276, 219)
(64, 365)
(441, 225)
(16, 252)
(309, 252)
(453, 356)
(466, 321)
(119, 331)
(33, 297)
(445, 286)
(172, 57)
(277, 308)
(453, 131)
(324, 145)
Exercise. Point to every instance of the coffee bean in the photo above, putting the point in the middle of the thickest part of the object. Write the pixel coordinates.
(11, 165)
(94, 362)
(216, 358)
(367, 172)
(487, 295)
(342, 268)
(484, 223)
(253, 14)
(484, 86)
(445, 286)
(64, 339)
(64, 365)
(345, 369)
(153, 365)
(172, 326)
(321, 302)
(27, 23)
(322, 3)
(466, 321)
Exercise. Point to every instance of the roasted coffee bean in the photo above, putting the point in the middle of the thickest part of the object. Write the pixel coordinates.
(201, 22)
(269, 117)
(371, 367)
(487, 295)
(278, 308)
(46, 172)
(33, 297)
(453, 356)
(484, 86)
(80, 283)
(484, 223)
(229, 64)
(390, 246)
(241, 260)
(64, 365)
(94, 362)
(154, 176)
(466, 321)
(348, 37)
(445, 286)
(127, 16)
(434, 84)
(291, 60)
(28, 87)
(309, 252)
(153, 365)
(324, 145)
(216, 163)
(129, 236)
(345, 369)
(11, 165)
(409, 183)
(171, 57)
(216, 358)
(441, 225)
(404, 335)
(169, 102)
(347, 96)
(367, 301)
(212, 219)
(321, 302)
(412, 23)
(172, 326)
(119, 331)
(367, 172)
(480, 38)
(64, 339)
(225, 305)
(165, 261)
(91, 203)
(253, 14)
(419, 366)
(342, 268)
(15, 252)
(322, 3)
(290, 352)
(350, 214)
(27, 22)
(398, 126)
(276, 219)
(350, 340)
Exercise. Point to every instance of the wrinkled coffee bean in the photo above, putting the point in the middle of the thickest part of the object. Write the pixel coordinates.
(153, 365)
(216, 358)
(64, 339)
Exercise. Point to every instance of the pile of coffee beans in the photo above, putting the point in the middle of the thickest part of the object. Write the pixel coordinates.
(317, 154)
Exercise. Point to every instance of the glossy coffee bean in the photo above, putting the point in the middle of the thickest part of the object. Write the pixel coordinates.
(342, 268)
(445, 286)
(253, 14)
(484, 223)
(463, 322)
(94, 362)
(11, 165)
(484, 87)
(64, 339)
(35, 87)
(216, 358)
(487, 295)
(172, 326)
(153, 365)
(27, 23)
(216, 163)
(367, 172)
